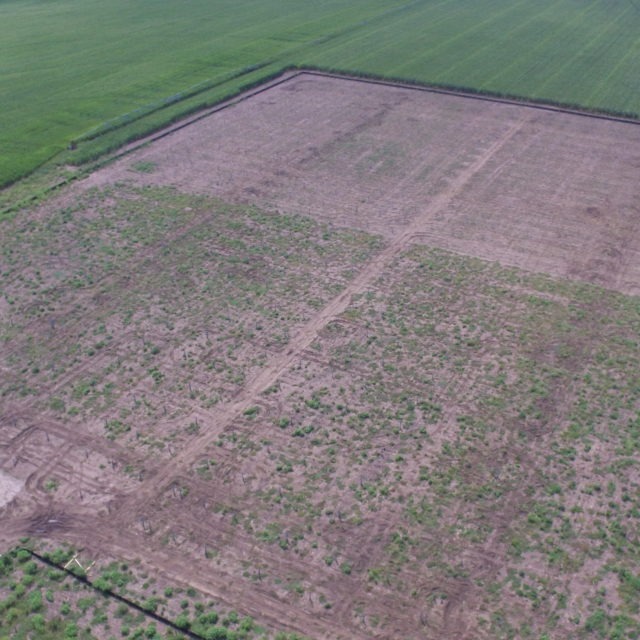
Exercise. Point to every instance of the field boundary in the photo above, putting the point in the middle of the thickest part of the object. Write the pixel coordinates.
(475, 95)
(291, 71)
(284, 75)
(133, 116)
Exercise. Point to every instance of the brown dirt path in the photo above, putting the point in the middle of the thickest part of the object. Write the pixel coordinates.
(223, 416)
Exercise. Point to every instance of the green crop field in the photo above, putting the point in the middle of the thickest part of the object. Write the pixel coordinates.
(67, 67)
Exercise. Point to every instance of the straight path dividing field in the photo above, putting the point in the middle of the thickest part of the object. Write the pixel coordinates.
(224, 415)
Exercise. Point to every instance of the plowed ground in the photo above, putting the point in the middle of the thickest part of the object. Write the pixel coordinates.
(359, 360)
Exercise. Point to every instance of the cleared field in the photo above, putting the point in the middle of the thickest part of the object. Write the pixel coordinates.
(65, 79)
(281, 356)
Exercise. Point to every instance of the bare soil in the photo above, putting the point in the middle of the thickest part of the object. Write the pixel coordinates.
(283, 356)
